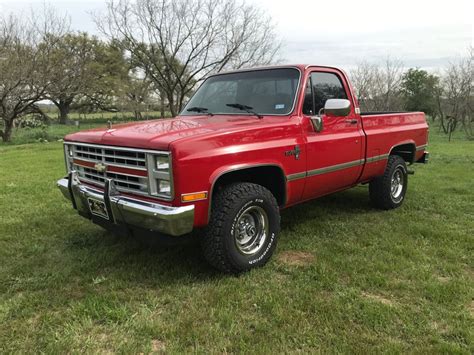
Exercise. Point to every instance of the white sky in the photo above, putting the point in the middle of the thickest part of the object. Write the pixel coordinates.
(426, 34)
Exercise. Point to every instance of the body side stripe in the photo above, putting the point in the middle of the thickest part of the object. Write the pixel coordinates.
(331, 168)
(337, 167)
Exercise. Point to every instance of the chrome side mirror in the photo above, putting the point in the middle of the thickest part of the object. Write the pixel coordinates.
(317, 122)
(337, 107)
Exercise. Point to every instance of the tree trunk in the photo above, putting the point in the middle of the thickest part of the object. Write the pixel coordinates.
(182, 97)
(138, 115)
(162, 105)
(442, 125)
(171, 104)
(64, 108)
(7, 131)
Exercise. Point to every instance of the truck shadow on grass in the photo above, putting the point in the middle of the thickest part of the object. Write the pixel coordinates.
(139, 260)
(344, 204)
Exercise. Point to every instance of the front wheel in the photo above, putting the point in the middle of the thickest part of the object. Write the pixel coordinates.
(388, 191)
(243, 228)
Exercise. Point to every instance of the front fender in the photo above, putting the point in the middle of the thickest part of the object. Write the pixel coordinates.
(227, 169)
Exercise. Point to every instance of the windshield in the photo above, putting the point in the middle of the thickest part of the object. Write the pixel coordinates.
(270, 92)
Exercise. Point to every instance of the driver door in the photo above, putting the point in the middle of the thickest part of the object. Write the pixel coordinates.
(335, 154)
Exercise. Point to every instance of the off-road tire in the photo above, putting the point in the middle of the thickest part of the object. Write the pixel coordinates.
(380, 189)
(218, 241)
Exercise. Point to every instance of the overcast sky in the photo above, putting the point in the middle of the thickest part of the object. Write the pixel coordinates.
(426, 34)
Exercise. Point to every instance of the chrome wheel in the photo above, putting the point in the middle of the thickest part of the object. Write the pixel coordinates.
(396, 186)
(251, 230)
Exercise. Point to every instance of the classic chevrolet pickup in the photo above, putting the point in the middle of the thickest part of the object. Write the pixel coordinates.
(247, 144)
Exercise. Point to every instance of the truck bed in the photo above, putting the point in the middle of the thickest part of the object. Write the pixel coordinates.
(385, 130)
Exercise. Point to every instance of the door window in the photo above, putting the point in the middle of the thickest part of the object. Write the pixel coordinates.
(322, 86)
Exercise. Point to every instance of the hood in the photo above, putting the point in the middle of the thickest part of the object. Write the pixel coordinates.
(158, 134)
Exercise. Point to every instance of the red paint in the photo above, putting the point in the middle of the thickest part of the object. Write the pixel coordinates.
(119, 169)
(87, 164)
(112, 168)
(205, 147)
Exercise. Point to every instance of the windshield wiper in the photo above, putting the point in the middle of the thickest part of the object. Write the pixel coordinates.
(200, 110)
(245, 108)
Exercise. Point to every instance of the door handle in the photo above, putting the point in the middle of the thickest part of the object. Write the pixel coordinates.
(354, 121)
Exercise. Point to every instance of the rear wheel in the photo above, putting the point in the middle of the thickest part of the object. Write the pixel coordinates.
(243, 228)
(388, 191)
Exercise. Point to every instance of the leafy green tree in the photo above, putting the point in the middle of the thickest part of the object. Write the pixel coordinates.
(25, 64)
(419, 90)
(87, 72)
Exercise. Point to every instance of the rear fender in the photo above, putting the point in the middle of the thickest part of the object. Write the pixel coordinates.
(405, 149)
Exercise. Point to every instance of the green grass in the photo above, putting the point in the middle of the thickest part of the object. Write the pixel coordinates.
(55, 131)
(53, 114)
(49, 133)
(371, 281)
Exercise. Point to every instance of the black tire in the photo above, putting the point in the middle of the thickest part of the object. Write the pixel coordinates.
(233, 210)
(380, 189)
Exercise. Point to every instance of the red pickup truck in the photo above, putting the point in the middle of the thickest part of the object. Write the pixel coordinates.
(246, 145)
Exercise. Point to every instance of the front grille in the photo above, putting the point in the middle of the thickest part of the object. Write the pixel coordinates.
(126, 167)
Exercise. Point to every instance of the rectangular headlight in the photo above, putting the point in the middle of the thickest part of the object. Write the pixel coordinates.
(164, 187)
(160, 175)
(162, 163)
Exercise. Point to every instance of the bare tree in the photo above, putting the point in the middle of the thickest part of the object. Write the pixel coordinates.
(456, 96)
(388, 81)
(137, 93)
(363, 77)
(179, 42)
(378, 85)
(24, 66)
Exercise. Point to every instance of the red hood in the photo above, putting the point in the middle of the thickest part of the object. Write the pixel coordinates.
(158, 134)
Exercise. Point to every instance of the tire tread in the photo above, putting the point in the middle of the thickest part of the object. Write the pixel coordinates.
(379, 188)
(212, 241)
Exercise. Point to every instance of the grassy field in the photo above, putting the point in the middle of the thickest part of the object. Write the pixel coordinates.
(53, 114)
(344, 278)
(56, 131)
(50, 133)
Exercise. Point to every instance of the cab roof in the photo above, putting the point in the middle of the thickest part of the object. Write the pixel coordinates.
(300, 67)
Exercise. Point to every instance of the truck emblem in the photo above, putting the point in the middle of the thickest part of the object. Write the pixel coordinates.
(296, 152)
(101, 168)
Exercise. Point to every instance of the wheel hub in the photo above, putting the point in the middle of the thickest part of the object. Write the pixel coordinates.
(252, 230)
(396, 186)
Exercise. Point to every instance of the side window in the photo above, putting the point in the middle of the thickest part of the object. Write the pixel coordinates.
(326, 86)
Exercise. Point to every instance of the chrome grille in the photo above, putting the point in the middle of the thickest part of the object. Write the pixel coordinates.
(113, 158)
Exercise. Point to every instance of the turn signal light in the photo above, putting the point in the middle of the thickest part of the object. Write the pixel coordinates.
(194, 196)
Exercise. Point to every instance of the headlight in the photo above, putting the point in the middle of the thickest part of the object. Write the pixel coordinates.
(164, 187)
(162, 163)
(160, 175)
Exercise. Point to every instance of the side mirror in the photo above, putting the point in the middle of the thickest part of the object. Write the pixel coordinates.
(337, 107)
(317, 122)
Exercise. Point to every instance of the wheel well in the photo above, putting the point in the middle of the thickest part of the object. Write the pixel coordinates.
(270, 177)
(406, 151)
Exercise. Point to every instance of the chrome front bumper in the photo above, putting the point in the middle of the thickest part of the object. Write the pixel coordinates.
(124, 210)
